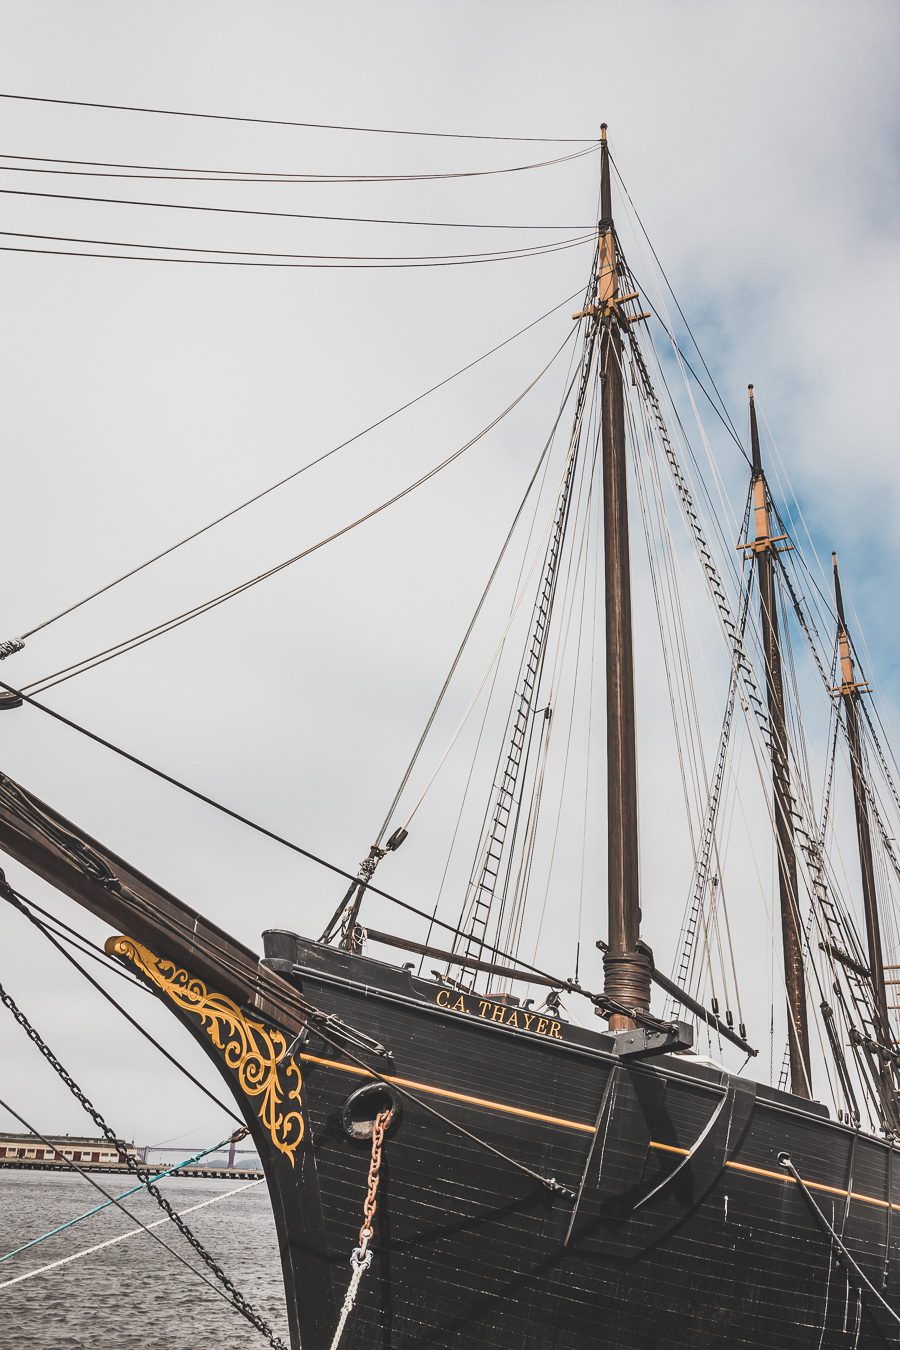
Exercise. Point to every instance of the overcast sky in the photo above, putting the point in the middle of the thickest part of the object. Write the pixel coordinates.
(759, 144)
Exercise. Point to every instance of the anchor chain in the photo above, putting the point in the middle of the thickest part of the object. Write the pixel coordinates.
(361, 1256)
(241, 1304)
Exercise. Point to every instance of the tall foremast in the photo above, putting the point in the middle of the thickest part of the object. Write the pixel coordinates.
(764, 547)
(626, 965)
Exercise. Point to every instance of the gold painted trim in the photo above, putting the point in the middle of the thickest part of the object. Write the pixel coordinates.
(254, 1052)
(588, 1129)
(451, 1096)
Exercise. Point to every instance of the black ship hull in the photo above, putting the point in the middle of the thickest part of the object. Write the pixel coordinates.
(688, 1232)
(681, 1229)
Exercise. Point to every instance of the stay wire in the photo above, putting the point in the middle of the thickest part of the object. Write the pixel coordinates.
(86, 948)
(21, 903)
(97, 1209)
(296, 473)
(282, 215)
(123, 1237)
(166, 626)
(112, 966)
(487, 254)
(671, 291)
(265, 831)
(229, 1290)
(286, 122)
(700, 385)
(131, 1217)
(474, 760)
(95, 168)
(474, 619)
(289, 266)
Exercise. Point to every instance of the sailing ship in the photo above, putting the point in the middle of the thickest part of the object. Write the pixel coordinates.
(530, 1182)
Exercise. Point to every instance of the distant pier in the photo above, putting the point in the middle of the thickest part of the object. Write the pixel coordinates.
(65, 1153)
(48, 1165)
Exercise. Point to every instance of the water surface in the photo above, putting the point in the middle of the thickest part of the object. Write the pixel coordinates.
(134, 1295)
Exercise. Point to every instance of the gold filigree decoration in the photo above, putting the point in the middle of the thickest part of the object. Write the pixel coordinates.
(252, 1050)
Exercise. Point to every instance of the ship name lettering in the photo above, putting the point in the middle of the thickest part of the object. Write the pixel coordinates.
(499, 1012)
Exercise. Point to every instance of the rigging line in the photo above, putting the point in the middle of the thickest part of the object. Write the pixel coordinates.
(305, 1008)
(505, 781)
(845, 1257)
(250, 501)
(132, 1232)
(511, 778)
(258, 828)
(282, 215)
(814, 861)
(695, 480)
(670, 617)
(290, 266)
(573, 583)
(550, 1183)
(665, 599)
(478, 608)
(123, 1195)
(21, 903)
(716, 511)
(677, 348)
(97, 952)
(167, 626)
(122, 1237)
(107, 961)
(314, 126)
(104, 962)
(576, 574)
(174, 173)
(487, 706)
(146, 1228)
(674, 297)
(487, 255)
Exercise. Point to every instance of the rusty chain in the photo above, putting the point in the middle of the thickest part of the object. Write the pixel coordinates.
(361, 1257)
(367, 1231)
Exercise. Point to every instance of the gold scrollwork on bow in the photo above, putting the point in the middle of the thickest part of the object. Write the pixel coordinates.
(254, 1052)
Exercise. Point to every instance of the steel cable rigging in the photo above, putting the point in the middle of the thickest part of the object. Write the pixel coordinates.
(285, 122)
(94, 168)
(283, 215)
(147, 635)
(289, 266)
(336, 260)
(294, 474)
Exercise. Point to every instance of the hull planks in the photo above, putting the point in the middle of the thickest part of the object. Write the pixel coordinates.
(687, 1231)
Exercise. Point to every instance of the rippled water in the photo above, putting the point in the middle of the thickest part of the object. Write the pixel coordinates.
(133, 1294)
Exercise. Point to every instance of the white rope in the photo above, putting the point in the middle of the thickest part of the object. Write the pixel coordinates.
(133, 1232)
(360, 1261)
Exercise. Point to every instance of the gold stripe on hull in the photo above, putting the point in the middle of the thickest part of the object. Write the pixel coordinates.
(581, 1127)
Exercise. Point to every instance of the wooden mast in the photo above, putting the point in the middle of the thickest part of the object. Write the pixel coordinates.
(626, 968)
(764, 547)
(849, 690)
